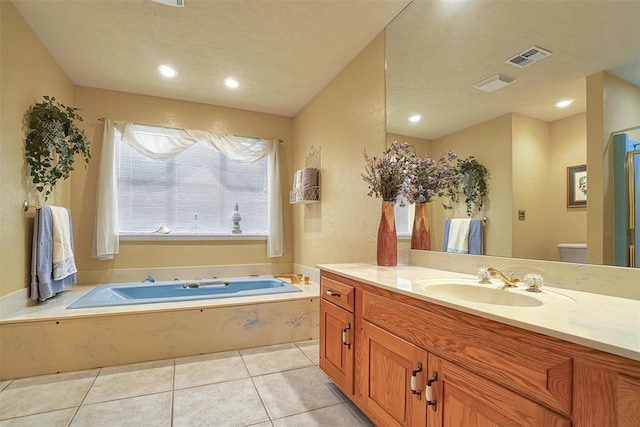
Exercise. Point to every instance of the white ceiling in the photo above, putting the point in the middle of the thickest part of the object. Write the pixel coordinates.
(283, 51)
(286, 51)
(437, 50)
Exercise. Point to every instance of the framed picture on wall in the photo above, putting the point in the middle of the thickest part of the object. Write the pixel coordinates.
(577, 186)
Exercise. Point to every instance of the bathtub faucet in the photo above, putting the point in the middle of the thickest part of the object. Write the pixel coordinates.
(198, 284)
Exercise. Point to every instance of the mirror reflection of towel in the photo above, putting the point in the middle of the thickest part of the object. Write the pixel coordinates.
(467, 237)
(458, 241)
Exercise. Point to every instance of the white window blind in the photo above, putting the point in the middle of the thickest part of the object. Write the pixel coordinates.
(199, 180)
(404, 218)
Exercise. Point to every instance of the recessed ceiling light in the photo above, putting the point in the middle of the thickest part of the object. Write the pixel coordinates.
(231, 83)
(167, 71)
(415, 118)
(564, 103)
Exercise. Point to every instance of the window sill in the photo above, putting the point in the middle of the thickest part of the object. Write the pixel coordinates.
(180, 237)
(403, 236)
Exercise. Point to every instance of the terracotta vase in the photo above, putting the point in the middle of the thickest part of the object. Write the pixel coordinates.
(387, 239)
(421, 236)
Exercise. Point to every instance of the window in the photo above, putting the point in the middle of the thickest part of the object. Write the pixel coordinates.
(404, 219)
(200, 181)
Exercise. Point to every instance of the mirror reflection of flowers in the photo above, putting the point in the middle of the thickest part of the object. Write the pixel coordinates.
(386, 175)
(428, 178)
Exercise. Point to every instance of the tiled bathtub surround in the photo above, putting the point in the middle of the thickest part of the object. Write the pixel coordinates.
(223, 389)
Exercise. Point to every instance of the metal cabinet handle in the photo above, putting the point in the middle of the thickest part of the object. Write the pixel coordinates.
(429, 392)
(344, 336)
(414, 381)
(333, 293)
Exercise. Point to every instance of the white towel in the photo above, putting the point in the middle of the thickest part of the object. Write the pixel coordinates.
(63, 262)
(459, 236)
(297, 180)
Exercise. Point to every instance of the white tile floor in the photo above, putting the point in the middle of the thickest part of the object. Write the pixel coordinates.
(274, 386)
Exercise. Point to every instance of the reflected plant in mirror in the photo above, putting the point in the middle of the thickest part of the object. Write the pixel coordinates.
(517, 131)
(470, 180)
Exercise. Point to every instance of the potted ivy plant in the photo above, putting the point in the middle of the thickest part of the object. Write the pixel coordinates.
(52, 141)
(471, 180)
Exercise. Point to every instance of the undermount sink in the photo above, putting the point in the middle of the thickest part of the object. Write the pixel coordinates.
(484, 295)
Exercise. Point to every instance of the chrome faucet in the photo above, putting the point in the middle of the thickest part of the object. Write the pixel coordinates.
(205, 283)
(510, 282)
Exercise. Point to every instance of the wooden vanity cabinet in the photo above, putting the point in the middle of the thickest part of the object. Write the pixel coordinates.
(386, 389)
(461, 398)
(482, 372)
(337, 330)
(608, 395)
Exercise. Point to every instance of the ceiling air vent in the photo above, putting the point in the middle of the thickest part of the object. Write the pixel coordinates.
(494, 82)
(173, 3)
(528, 57)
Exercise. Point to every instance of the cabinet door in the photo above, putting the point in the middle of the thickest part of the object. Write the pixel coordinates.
(336, 345)
(386, 377)
(605, 396)
(462, 398)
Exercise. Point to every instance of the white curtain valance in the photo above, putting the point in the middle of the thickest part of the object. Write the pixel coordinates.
(164, 143)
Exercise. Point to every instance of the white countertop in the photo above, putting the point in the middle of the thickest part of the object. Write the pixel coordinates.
(606, 323)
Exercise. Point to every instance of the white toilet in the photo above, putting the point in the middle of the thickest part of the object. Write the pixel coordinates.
(573, 252)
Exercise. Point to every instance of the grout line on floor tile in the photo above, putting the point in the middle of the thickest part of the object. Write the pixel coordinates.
(6, 385)
(287, 370)
(74, 415)
(261, 401)
(89, 388)
(173, 390)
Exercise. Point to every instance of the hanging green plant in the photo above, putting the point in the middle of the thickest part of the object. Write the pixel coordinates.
(52, 142)
(471, 180)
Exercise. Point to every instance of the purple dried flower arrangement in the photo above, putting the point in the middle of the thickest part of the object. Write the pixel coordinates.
(386, 175)
(427, 178)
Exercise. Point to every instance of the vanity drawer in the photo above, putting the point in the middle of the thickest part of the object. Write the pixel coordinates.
(338, 293)
(506, 355)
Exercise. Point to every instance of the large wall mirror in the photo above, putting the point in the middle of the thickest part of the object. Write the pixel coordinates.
(589, 55)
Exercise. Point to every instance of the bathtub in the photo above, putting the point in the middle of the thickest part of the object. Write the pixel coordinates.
(131, 293)
(48, 337)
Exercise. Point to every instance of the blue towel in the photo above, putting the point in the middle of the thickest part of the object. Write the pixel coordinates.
(43, 285)
(475, 236)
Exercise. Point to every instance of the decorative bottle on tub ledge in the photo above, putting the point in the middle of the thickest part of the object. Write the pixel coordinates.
(194, 224)
(236, 218)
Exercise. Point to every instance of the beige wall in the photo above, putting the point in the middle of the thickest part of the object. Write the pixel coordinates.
(527, 160)
(568, 147)
(96, 103)
(595, 144)
(530, 150)
(27, 73)
(612, 105)
(490, 143)
(344, 118)
(422, 146)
